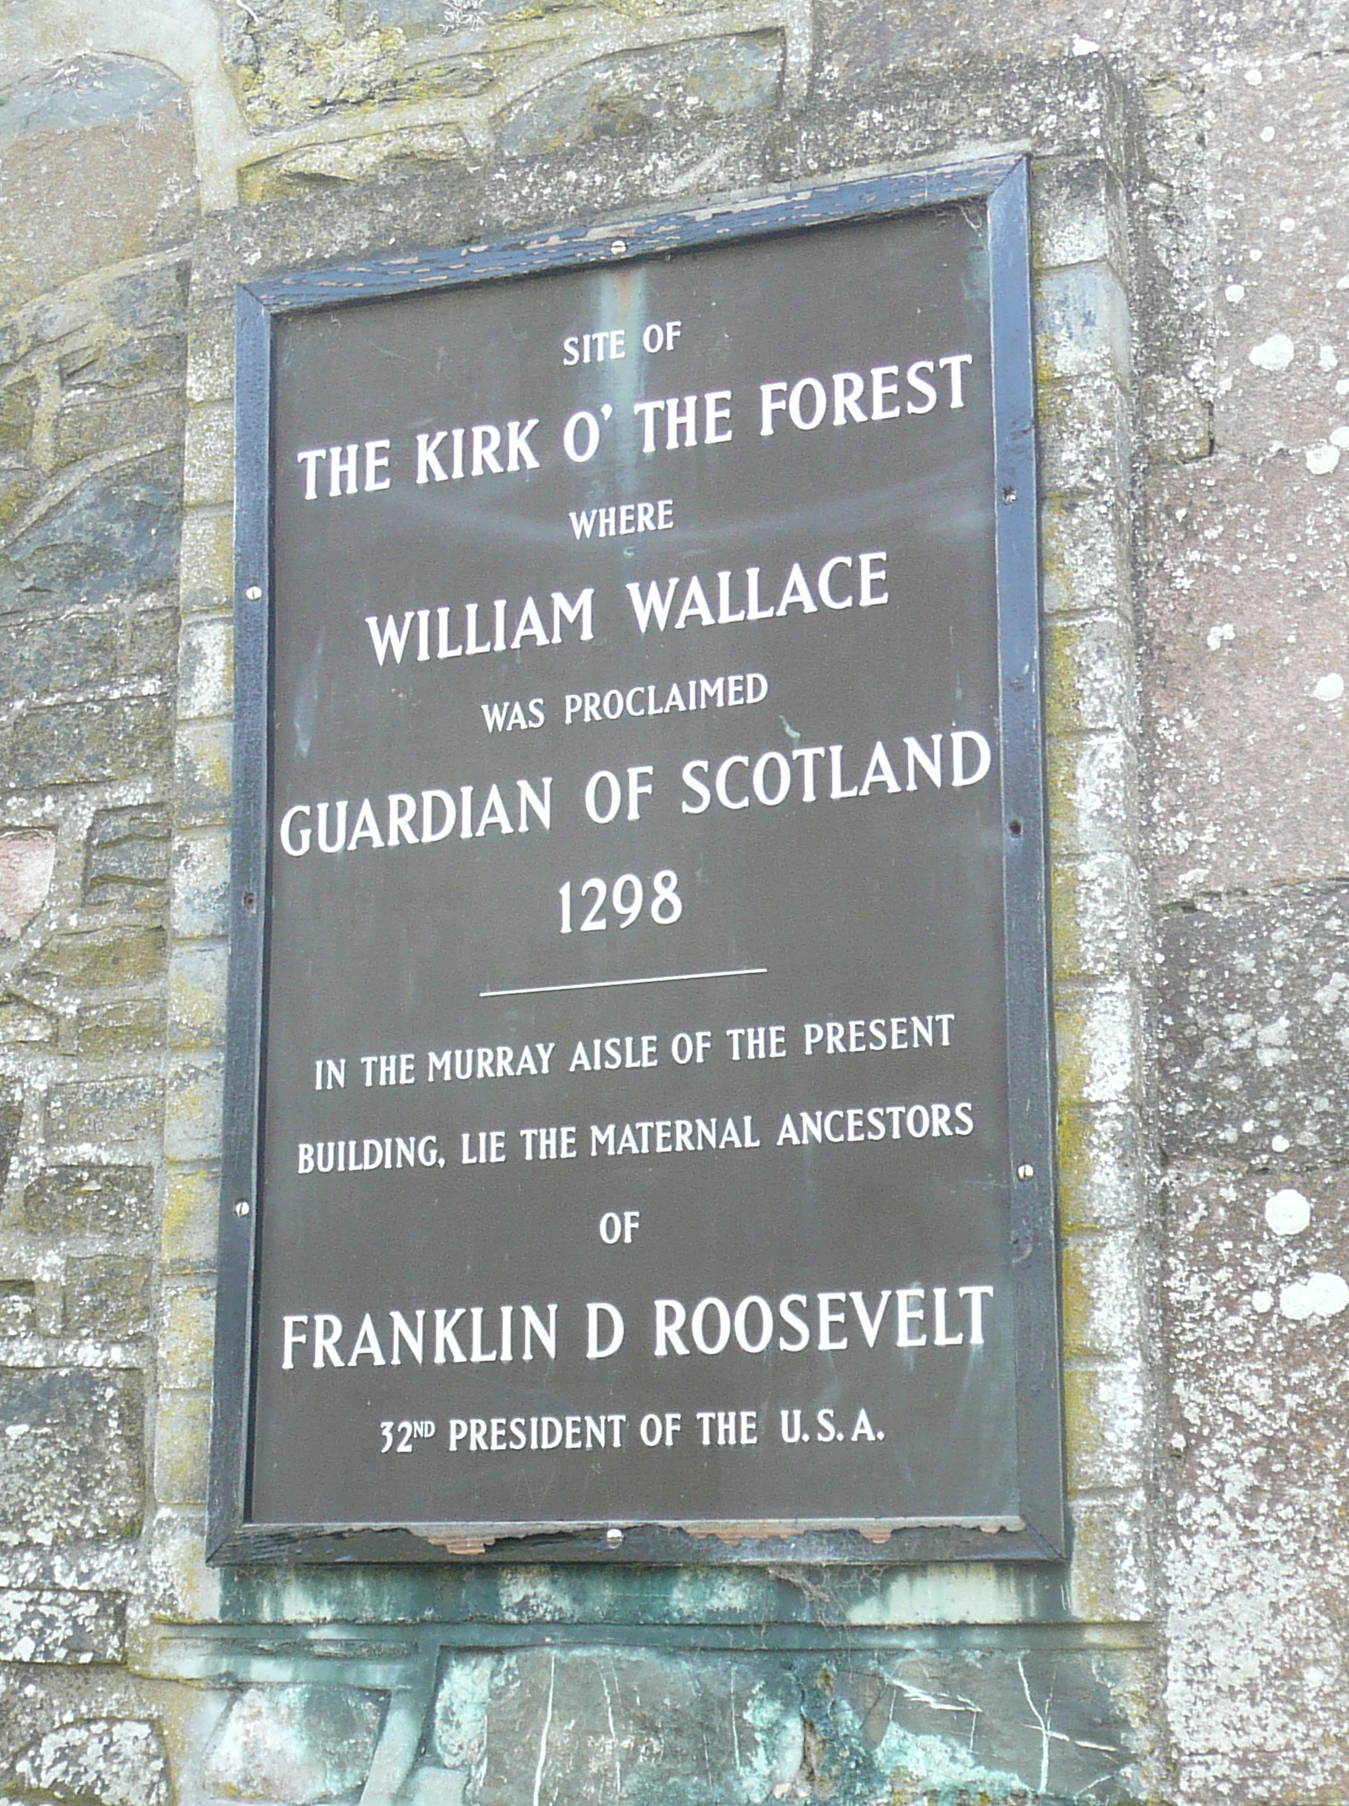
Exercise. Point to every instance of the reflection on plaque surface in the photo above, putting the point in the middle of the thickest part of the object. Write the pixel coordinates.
(640, 1065)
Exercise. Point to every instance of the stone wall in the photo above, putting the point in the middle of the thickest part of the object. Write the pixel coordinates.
(1192, 281)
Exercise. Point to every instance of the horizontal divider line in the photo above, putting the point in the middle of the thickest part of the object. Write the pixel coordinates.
(604, 984)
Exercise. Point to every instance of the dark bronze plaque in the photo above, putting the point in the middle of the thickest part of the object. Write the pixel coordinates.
(642, 1038)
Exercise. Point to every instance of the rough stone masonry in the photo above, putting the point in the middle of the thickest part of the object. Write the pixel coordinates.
(1192, 285)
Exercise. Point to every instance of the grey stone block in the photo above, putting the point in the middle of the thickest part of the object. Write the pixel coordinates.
(127, 1025)
(1249, 658)
(202, 773)
(210, 359)
(65, 652)
(152, 360)
(1093, 793)
(106, 957)
(73, 1453)
(208, 454)
(18, 1307)
(932, 79)
(376, 154)
(191, 1207)
(201, 876)
(21, 1024)
(1090, 684)
(110, 1110)
(1108, 1412)
(705, 77)
(1081, 322)
(194, 1113)
(88, 424)
(115, 534)
(1113, 1581)
(1283, 245)
(18, 406)
(1078, 214)
(11, 1125)
(89, 1200)
(85, 742)
(1253, 1013)
(49, 1626)
(116, 1761)
(859, 38)
(185, 1337)
(206, 668)
(1104, 1166)
(1084, 434)
(207, 561)
(1105, 1285)
(147, 297)
(182, 1438)
(197, 980)
(1097, 917)
(1098, 1038)
(107, 1296)
(1257, 1567)
(127, 858)
(70, 138)
(150, 646)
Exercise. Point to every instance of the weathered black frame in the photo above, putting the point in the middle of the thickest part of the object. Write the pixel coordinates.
(1001, 184)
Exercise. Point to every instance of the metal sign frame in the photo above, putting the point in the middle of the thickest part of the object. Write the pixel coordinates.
(999, 185)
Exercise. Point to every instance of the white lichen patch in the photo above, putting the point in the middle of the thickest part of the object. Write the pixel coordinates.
(1274, 353)
(1329, 688)
(1330, 995)
(1319, 1295)
(1322, 459)
(1272, 1047)
(1288, 1212)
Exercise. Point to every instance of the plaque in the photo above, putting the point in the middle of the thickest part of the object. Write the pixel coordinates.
(639, 1095)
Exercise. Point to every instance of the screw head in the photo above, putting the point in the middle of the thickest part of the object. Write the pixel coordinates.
(242, 1208)
(613, 1536)
(1025, 1171)
(618, 247)
(253, 593)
